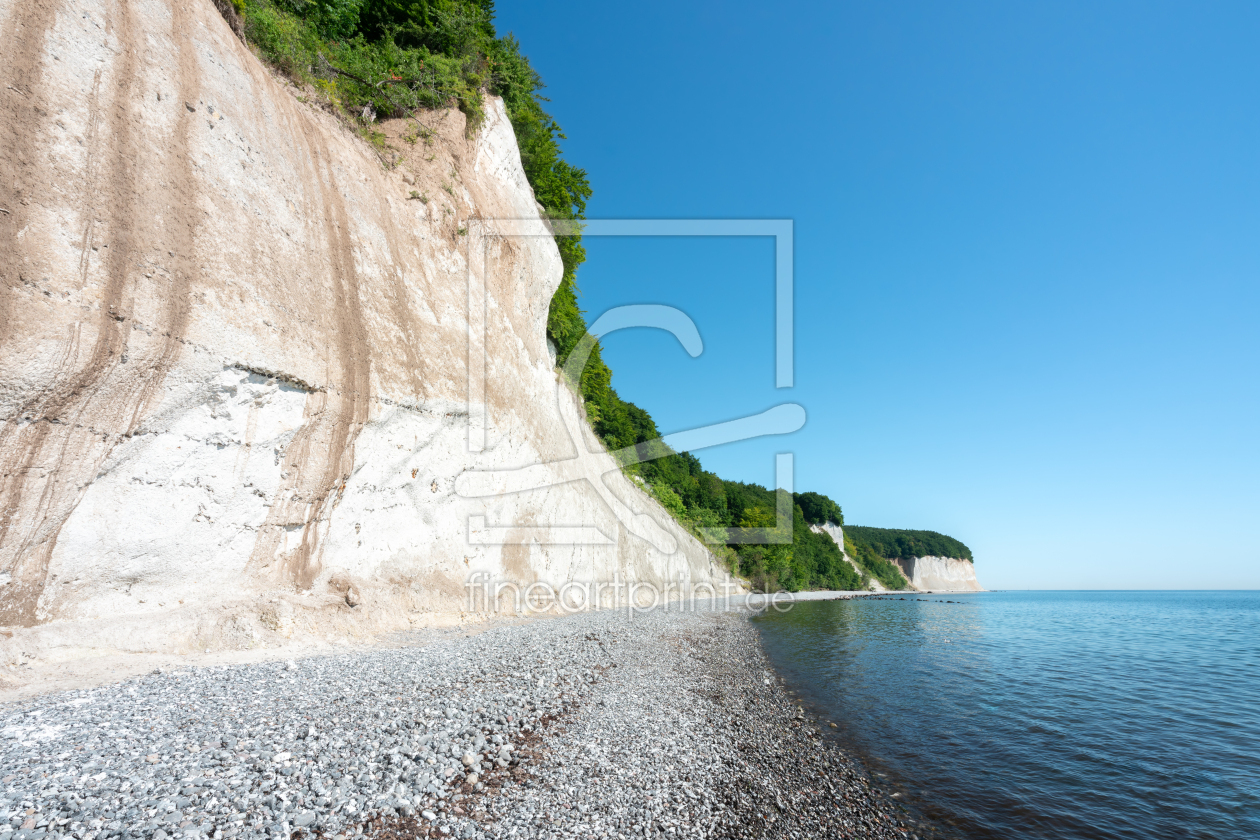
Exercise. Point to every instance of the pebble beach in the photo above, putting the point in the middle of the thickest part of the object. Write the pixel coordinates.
(597, 725)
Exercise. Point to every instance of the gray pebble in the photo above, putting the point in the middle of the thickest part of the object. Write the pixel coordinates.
(594, 724)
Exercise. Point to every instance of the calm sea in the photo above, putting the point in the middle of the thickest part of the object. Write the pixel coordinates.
(1044, 714)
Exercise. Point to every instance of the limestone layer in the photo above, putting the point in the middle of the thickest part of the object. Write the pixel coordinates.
(235, 347)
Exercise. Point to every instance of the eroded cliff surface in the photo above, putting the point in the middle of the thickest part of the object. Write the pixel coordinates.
(940, 574)
(234, 353)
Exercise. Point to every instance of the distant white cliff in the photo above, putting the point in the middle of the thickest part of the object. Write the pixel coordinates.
(940, 574)
(937, 574)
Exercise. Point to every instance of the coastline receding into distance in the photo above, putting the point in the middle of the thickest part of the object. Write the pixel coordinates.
(289, 318)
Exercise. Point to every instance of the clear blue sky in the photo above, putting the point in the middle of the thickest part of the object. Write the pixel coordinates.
(1027, 259)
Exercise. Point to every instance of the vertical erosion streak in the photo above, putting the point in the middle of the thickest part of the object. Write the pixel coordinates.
(319, 460)
(181, 233)
(21, 123)
(400, 298)
(30, 445)
(56, 441)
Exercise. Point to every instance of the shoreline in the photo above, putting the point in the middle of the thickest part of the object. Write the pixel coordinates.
(38, 676)
(593, 724)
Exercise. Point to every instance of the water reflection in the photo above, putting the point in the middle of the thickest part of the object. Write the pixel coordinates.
(1055, 715)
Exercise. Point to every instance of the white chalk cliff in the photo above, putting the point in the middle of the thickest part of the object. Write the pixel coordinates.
(234, 355)
(940, 574)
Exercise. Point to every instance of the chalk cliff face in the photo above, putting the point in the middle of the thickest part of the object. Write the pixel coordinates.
(924, 573)
(941, 574)
(235, 354)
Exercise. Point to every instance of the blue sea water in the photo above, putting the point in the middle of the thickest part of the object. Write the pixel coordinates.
(1044, 714)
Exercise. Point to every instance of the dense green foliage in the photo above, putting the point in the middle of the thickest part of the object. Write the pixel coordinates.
(882, 569)
(393, 58)
(810, 561)
(895, 543)
(322, 43)
(818, 509)
(720, 512)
